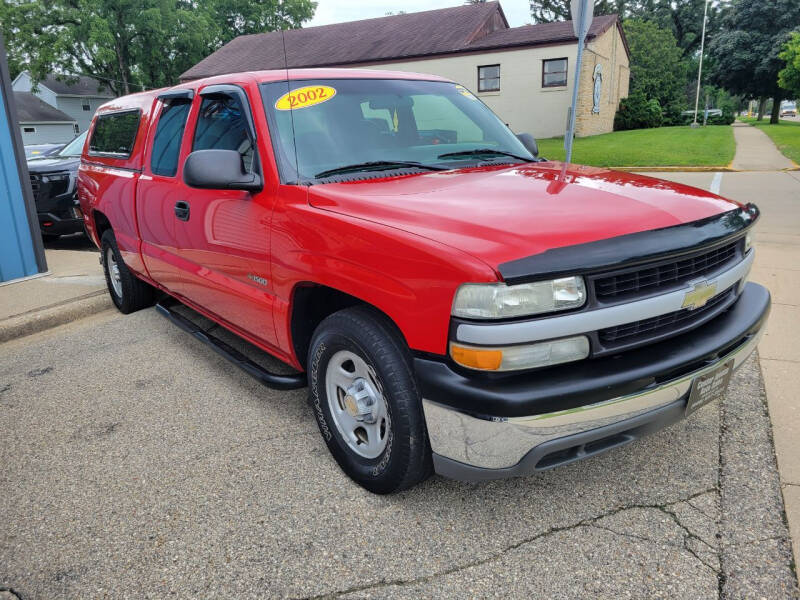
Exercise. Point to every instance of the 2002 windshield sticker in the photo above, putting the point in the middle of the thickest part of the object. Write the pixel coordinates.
(305, 96)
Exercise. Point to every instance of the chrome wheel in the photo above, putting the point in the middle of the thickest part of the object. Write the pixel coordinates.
(356, 402)
(113, 272)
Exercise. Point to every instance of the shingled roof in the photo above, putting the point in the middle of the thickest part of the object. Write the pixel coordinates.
(466, 28)
(31, 109)
(75, 86)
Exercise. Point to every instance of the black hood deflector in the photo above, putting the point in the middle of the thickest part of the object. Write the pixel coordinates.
(631, 249)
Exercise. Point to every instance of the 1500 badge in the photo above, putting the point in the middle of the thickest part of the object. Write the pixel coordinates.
(257, 279)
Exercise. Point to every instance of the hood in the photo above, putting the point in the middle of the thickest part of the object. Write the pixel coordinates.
(499, 214)
(48, 164)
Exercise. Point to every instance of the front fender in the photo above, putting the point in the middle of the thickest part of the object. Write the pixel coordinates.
(410, 278)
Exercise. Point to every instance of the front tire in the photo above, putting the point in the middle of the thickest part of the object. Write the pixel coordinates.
(128, 293)
(365, 399)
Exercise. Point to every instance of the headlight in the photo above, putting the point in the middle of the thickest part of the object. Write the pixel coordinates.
(528, 356)
(501, 301)
(55, 177)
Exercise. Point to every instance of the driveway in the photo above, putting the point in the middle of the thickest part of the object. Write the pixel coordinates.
(137, 463)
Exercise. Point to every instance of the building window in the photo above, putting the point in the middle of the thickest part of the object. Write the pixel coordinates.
(29, 130)
(554, 72)
(489, 78)
(76, 128)
(86, 107)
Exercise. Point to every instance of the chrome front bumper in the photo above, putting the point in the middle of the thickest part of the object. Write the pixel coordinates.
(466, 446)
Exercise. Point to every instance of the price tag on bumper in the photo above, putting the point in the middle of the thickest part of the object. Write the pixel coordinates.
(708, 387)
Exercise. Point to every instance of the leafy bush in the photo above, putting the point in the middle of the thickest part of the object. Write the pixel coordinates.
(637, 112)
(726, 119)
(672, 116)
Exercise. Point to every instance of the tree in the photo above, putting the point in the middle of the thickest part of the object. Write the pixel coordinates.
(657, 69)
(683, 17)
(547, 11)
(789, 76)
(745, 52)
(133, 44)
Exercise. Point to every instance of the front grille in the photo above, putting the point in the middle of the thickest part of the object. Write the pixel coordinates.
(653, 278)
(647, 329)
(36, 183)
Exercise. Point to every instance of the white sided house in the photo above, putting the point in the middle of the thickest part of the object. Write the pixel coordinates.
(77, 97)
(524, 74)
(40, 123)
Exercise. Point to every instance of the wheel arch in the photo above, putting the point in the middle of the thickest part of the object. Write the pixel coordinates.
(101, 224)
(311, 303)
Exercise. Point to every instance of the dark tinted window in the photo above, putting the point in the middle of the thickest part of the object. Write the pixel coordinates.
(115, 134)
(167, 143)
(222, 125)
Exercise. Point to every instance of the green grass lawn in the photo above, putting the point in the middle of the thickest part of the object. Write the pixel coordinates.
(785, 134)
(711, 146)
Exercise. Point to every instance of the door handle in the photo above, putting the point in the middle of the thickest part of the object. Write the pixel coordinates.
(182, 210)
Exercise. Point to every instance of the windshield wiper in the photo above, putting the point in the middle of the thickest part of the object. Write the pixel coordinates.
(485, 151)
(377, 165)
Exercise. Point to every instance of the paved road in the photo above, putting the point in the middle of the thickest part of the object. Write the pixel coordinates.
(776, 266)
(136, 463)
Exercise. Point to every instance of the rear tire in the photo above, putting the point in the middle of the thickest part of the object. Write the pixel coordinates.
(365, 399)
(128, 293)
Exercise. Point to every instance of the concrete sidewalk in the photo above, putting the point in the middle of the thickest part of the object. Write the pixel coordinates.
(74, 288)
(756, 152)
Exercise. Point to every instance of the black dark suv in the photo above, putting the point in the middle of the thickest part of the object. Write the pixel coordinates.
(54, 185)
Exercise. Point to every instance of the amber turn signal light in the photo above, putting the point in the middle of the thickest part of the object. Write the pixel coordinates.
(476, 358)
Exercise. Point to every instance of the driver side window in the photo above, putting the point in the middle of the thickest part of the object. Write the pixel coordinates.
(222, 125)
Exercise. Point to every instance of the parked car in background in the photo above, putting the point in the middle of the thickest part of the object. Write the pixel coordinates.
(54, 184)
(39, 150)
(788, 109)
(453, 301)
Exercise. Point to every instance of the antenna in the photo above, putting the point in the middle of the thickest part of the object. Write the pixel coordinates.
(291, 110)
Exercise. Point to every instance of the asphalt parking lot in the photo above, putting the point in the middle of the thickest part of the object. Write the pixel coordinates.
(139, 464)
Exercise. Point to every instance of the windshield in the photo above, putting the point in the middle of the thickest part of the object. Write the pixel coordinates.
(75, 147)
(360, 125)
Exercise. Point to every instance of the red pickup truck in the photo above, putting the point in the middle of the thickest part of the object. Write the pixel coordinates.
(453, 301)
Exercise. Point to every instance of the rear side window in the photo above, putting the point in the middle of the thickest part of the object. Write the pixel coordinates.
(222, 125)
(115, 133)
(167, 141)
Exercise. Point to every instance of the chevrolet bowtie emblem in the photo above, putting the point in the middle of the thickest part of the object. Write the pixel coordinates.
(699, 295)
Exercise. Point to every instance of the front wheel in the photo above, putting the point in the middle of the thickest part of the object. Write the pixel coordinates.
(366, 402)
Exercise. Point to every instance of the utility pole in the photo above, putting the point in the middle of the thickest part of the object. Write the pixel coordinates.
(700, 67)
(582, 14)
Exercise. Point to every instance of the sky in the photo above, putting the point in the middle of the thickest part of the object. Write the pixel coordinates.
(338, 11)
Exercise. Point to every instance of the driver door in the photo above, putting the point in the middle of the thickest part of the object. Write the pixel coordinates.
(222, 236)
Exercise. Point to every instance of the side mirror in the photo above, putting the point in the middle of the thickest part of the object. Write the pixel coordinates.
(529, 142)
(219, 170)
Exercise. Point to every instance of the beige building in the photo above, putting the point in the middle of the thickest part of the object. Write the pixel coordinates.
(524, 74)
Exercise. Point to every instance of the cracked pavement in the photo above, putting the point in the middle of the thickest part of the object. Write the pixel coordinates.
(139, 464)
